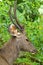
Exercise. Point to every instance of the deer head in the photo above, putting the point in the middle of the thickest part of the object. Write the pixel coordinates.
(23, 43)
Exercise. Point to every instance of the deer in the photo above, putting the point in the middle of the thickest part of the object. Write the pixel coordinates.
(18, 42)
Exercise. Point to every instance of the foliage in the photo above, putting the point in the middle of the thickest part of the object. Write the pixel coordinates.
(30, 9)
(34, 30)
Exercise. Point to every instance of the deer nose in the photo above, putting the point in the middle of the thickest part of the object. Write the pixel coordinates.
(34, 51)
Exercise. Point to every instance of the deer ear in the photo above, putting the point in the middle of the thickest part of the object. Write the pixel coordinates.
(13, 30)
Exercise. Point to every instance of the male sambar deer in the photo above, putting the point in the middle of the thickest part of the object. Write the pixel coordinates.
(10, 50)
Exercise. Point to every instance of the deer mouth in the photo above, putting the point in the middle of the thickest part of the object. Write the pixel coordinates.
(34, 51)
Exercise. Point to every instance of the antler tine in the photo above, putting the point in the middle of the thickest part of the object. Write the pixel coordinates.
(11, 18)
(15, 8)
(10, 14)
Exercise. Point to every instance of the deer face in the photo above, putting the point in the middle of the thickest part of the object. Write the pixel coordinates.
(26, 45)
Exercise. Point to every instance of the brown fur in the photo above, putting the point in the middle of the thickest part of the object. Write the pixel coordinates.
(12, 48)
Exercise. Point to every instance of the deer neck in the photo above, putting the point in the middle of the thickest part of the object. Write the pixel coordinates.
(10, 51)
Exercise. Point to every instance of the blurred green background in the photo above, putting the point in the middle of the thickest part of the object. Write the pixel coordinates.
(30, 15)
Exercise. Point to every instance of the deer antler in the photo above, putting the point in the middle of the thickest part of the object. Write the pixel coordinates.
(15, 8)
(15, 17)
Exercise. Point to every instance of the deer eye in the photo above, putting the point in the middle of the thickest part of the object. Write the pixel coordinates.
(27, 39)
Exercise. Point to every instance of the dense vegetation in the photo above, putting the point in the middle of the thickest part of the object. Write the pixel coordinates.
(32, 20)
